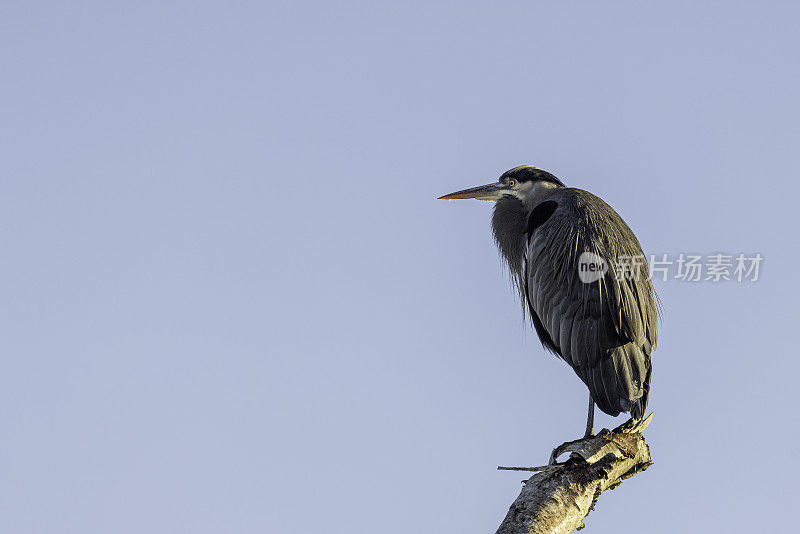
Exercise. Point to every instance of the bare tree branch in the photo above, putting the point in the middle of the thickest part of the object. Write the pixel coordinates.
(557, 498)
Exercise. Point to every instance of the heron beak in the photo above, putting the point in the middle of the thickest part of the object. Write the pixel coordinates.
(484, 192)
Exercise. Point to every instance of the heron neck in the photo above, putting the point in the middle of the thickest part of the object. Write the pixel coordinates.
(509, 221)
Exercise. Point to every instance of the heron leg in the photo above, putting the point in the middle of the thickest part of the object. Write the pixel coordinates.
(588, 434)
(590, 419)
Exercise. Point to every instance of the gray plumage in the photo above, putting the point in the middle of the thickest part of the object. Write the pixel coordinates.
(605, 330)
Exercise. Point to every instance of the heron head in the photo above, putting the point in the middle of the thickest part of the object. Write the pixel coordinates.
(521, 182)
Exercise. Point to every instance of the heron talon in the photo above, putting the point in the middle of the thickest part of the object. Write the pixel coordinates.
(558, 451)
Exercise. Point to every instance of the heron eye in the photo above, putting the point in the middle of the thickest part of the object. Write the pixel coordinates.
(512, 183)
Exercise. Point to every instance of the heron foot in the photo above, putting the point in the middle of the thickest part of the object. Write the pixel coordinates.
(560, 449)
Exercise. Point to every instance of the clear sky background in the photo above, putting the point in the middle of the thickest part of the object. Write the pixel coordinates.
(232, 303)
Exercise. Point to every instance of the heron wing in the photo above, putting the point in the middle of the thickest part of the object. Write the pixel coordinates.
(606, 329)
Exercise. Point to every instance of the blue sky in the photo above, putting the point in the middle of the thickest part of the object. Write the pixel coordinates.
(232, 302)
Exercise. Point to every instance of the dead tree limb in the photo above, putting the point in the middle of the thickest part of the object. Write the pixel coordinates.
(557, 498)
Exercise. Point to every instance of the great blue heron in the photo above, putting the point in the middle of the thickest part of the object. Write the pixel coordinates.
(604, 321)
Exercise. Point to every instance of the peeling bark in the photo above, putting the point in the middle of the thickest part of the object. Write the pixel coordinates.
(557, 498)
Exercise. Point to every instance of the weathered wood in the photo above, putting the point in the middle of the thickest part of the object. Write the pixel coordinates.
(557, 498)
